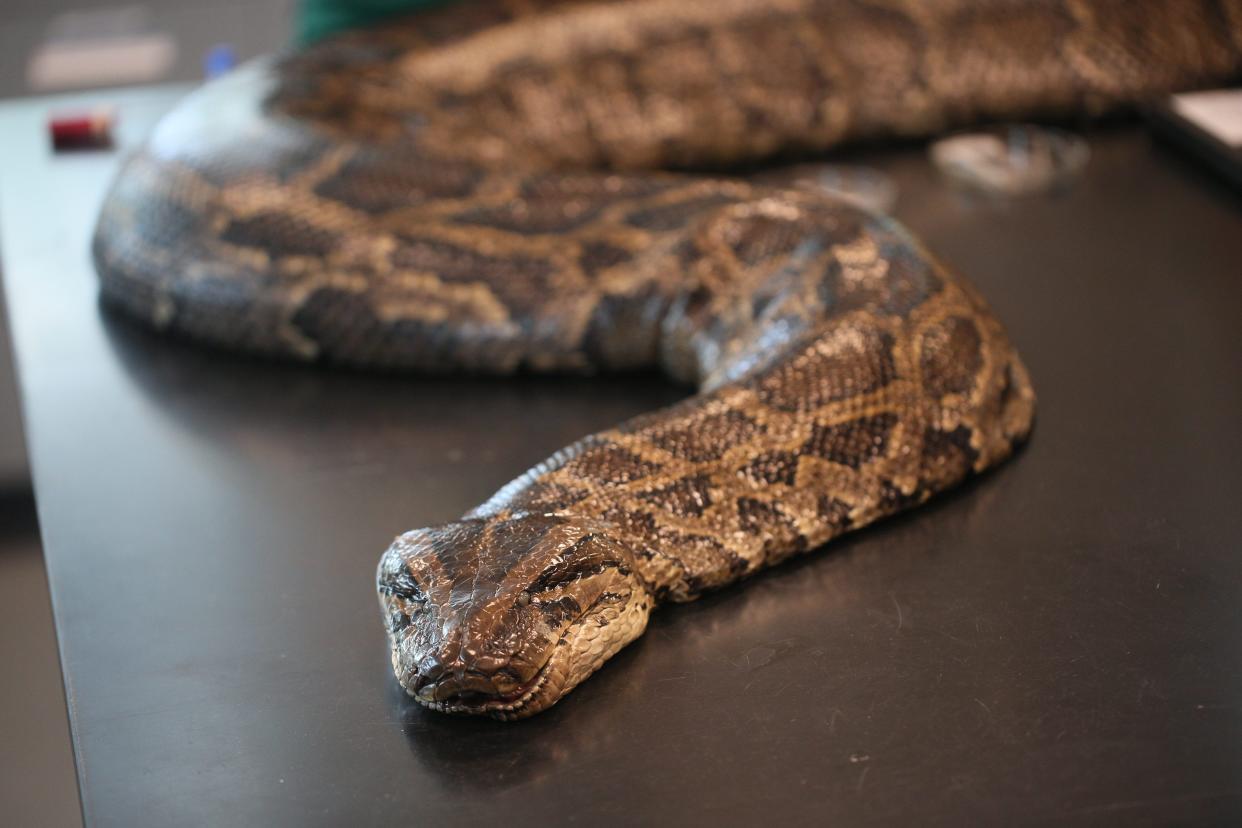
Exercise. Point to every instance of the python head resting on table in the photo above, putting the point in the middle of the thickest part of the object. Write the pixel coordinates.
(488, 188)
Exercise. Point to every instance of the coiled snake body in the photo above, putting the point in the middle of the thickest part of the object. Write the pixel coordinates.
(478, 189)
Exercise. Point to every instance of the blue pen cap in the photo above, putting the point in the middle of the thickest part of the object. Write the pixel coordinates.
(218, 60)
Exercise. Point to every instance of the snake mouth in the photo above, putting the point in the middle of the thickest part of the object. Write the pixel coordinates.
(473, 693)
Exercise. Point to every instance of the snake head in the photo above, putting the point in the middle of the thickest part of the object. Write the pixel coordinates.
(504, 616)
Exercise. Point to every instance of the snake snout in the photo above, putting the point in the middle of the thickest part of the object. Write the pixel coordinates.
(438, 677)
(465, 684)
(439, 666)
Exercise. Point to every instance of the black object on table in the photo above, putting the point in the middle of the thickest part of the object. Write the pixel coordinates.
(1059, 641)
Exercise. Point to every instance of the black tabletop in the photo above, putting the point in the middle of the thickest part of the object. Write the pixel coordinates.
(1059, 641)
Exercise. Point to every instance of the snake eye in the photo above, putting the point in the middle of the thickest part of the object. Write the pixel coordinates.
(402, 585)
(523, 598)
(571, 572)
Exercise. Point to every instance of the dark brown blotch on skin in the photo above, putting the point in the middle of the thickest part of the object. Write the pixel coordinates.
(610, 464)
(280, 234)
(688, 496)
(861, 364)
(852, 443)
(951, 356)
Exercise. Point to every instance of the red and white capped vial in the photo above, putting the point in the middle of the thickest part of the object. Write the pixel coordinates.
(81, 130)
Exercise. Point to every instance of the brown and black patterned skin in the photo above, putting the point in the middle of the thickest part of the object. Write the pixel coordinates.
(479, 189)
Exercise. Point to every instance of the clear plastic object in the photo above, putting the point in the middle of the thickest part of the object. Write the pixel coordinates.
(1012, 160)
(864, 186)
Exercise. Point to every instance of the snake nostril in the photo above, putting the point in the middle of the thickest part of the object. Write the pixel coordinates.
(428, 670)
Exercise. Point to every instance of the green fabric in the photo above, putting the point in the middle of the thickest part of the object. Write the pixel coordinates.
(319, 18)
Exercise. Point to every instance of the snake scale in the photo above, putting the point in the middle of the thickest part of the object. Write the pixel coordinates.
(493, 187)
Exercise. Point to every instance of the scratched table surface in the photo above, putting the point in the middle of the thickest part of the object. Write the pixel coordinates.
(1060, 641)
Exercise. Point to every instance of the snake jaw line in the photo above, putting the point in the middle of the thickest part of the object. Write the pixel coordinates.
(559, 674)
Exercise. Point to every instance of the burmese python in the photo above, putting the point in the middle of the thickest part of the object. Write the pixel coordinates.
(477, 189)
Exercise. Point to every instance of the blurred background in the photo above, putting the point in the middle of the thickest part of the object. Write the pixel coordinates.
(60, 45)
(49, 47)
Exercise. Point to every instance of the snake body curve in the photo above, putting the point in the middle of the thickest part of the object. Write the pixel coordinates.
(479, 189)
